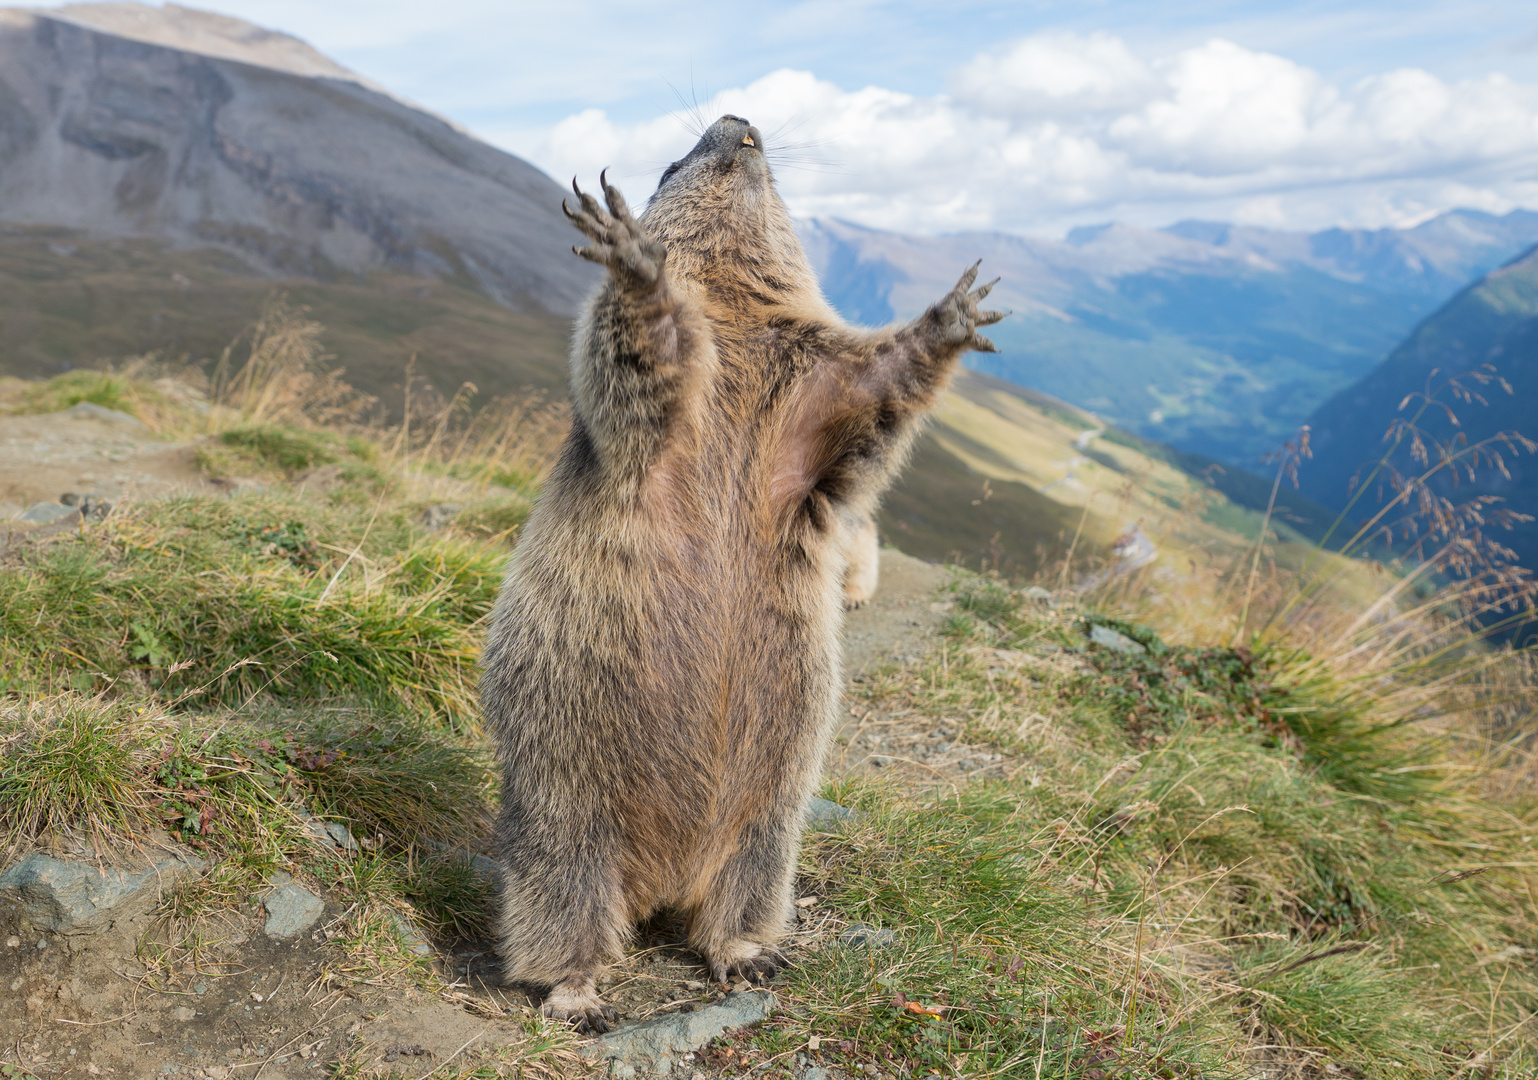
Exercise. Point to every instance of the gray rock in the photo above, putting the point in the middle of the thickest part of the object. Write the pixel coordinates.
(91, 507)
(330, 835)
(319, 831)
(815, 1073)
(291, 910)
(341, 836)
(439, 515)
(46, 513)
(825, 816)
(237, 485)
(74, 896)
(1116, 642)
(486, 867)
(90, 411)
(414, 939)
(868, 937)
(654, 1046)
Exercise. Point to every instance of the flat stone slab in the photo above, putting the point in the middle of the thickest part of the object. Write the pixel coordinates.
(89, 410)
(654, 1046)
(291, 910)
(1107, 638)
(46, 513)
(825, 816)
(74, 896)
(868, 937)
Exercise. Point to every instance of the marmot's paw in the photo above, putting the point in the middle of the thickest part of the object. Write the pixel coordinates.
(619, 240)
(581, 1005)
(757, 968)
(957, 318)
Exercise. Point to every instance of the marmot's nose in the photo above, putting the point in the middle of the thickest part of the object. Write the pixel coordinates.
(740, 132)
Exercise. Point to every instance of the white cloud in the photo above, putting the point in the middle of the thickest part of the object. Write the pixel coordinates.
(1053, 72)
(1058, 128)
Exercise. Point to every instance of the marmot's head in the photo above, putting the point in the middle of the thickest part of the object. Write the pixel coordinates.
(729, 155)
(718, 214)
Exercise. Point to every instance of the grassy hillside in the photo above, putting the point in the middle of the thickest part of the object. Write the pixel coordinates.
(69, 301)
(1013, 480)
(1296, 847)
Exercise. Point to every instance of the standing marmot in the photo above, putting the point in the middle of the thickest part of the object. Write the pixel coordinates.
(662, 669)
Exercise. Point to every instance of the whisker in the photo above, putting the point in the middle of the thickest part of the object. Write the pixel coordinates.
(787, 127)
(687, 114)
(832, 169)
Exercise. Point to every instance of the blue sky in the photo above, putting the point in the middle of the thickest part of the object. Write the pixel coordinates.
(1024, 116)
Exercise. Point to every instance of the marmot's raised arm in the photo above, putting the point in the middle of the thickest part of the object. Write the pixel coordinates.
(856, 412)
(640, 352)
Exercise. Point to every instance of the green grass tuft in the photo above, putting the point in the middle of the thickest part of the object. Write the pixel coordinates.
(223, 599)
(285, 449)
(74, 765)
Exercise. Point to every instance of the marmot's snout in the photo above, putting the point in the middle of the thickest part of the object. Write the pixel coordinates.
(731, 134)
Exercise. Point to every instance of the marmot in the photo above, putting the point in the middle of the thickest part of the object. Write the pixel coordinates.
(662, 668)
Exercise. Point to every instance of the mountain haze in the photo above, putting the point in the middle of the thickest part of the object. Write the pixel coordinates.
(1217, 339)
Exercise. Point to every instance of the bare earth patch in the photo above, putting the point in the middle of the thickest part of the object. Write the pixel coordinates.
(42, 457)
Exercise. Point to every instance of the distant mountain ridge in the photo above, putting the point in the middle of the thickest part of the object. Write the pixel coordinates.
(1216, 339)
(1494, 321)
(204, 132)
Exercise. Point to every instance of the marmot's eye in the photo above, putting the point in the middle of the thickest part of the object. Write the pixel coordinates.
(747, 140)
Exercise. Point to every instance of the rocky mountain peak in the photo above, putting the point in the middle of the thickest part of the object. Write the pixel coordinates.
(201, 130)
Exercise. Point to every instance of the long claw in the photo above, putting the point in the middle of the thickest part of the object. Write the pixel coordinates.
(970, 276)
(575, 188)
(983, 290)
(617, 205)
(612, 196)
(988, 318)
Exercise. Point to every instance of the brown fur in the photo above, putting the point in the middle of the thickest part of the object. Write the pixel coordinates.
(663, 664)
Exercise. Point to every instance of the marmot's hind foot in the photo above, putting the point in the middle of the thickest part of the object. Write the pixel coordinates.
(578, 1002)
(757, 968)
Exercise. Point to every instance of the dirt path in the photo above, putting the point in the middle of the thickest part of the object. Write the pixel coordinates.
(897, 622)
(88, 450)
